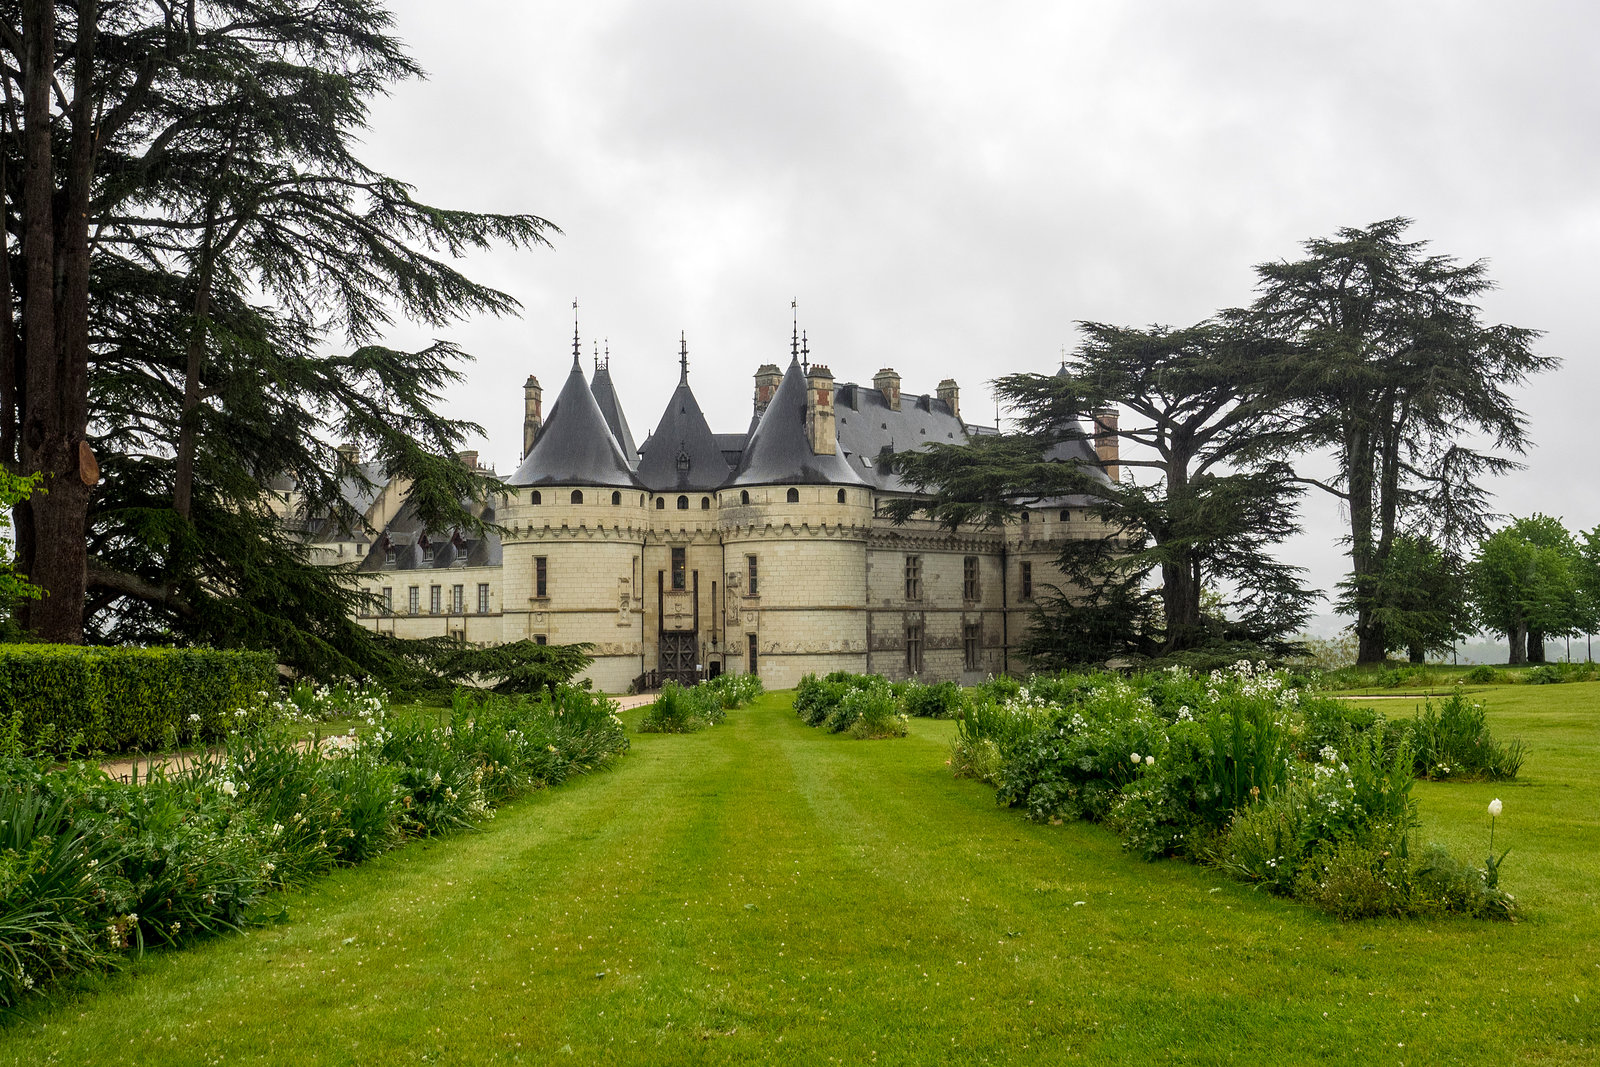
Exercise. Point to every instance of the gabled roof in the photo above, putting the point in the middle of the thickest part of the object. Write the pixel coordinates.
(779, 452)
(605, 395)
(682, 453)
(575, 445)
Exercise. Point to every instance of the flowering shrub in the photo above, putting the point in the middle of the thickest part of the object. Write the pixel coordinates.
(1238, 768)
(870, 712)
(92, 868)
(680, 711)
(1453, 741)
(940, 701)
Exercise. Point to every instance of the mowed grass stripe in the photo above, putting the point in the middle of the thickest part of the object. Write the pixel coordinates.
(763, 892)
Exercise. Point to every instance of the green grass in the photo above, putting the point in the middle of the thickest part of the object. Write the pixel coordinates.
(764, 892)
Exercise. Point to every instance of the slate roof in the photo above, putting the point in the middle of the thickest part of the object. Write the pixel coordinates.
(605, 395)
(575, 445)
(868, 427)
(682, 453)
(354, 493)
(778, 451)
(419, 549)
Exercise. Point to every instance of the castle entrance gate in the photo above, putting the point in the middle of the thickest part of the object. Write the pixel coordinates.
(677, 657)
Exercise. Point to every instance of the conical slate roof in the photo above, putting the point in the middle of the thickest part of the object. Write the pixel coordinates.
(683, 453)
(779, 452)
(605, 394)
(575, 446)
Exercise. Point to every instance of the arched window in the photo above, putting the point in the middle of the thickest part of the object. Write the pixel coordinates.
(577, 496)
(537, 499)
(661, 502)
(616, 498)
(1024, 514)
(794, 496)
(683, 503)
(841, 496)
(705, 503)
(744, 496)
(1066, 516)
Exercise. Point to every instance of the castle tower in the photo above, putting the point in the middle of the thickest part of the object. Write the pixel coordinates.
(573, 553)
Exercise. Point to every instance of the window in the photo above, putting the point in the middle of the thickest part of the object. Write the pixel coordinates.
(750, 567)
(458, 635)
(913, 577)
(1024, 514)
(794, 496)
(434, 599)
(616, 498)
(388, 600)
(683, 503)
(750, 647)
(1066, 516)
(680, 568)
(483, 598)
(969, 645)
(388, 556)
(914, 649)
(1027, 580)
(577, 496)
(744, 496)
(969, 578)
(841, 496)
(537, 498)
(540, 574)
(414, 600)
(540, 639)
(705, 503)
(661, 502)
(457, 599)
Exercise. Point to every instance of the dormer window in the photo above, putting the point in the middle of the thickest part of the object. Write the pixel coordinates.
(389, 556)
(683, 461)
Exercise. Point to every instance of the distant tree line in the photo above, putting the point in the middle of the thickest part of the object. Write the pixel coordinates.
(1369, 349)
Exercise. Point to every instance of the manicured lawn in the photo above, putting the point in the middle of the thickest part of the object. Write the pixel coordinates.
(764, 892)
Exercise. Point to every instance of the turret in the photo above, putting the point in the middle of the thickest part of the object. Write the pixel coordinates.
(532, 413)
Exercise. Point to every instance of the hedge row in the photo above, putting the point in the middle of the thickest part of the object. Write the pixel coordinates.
(114, 699)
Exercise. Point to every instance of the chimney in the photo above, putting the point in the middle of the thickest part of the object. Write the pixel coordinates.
(819, 411)
(532, 413)
(768, 378)
(950, 393)
(888, 382)
(468, 460)
(1105, 441)
(351, 453)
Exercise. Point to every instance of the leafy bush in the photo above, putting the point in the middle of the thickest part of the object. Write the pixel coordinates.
(871, 712)
(677, 711)
(940, 701)
(76, 698)
(92, 868)
(1483, 674)
(815, 699)
(1453, 740)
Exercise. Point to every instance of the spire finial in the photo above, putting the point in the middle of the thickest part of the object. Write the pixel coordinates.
(794, 341)
(683, 358)
(575, 348)
(608, 353)
(597, 357)
(805, 352)
(1063, 357)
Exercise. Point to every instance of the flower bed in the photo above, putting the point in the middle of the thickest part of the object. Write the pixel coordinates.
(680, 710)
(92, 869)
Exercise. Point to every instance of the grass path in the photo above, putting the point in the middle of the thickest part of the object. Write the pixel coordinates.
(762, 892)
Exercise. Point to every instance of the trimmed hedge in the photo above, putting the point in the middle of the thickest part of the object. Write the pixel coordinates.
(112, 699)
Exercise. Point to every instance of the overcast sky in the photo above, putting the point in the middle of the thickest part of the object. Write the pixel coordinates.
(947, 187)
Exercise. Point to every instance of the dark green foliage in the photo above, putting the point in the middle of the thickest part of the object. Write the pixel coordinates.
(681, 711)
(1453, 740)
(1419, 598)
(519, 667)
(115, 699)
(1529, 582)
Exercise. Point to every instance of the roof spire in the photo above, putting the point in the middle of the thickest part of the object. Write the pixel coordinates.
(683, 358)
(575, 335)
(794, 342)
(805, 351)
(597, 357)
(608, 353)
(1063, 357)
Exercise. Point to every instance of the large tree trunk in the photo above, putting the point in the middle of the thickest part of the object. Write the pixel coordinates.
(1372, 642)
(1536, 646)
(1518, 639)
(51, 533)
(1417, 656)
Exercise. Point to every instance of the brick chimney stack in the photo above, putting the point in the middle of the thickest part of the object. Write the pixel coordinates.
(1105, 441)
(468, 459)
(820, 427)
(351, 451)
(532, 413)
(950, 393)
(888, 382)
(768, 378)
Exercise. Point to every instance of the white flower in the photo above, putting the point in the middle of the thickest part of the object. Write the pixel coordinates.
(194, 716)
(1494, 807)
(1134, 759)
(229, 788)
(1149, 761)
